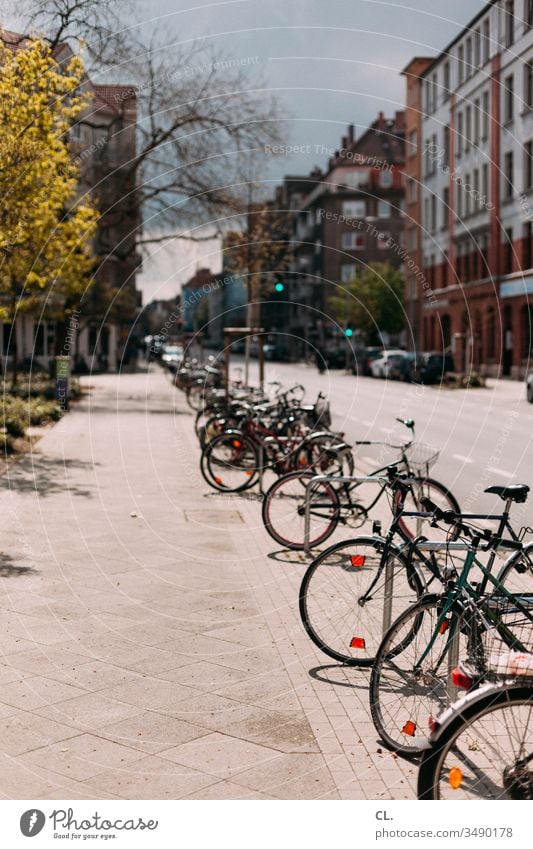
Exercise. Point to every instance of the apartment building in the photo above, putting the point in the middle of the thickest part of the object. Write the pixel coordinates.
(469, 189)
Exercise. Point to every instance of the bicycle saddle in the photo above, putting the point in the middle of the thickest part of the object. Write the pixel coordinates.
(517, 492)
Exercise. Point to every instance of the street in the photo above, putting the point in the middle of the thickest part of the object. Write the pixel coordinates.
(151, 643)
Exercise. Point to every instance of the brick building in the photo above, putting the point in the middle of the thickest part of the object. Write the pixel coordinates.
(345, 218)
(469, 192)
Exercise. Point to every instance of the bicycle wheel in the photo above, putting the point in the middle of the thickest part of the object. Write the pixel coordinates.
(485, 751)
(407, 690)
(343, 598)
(230, 462)
(195, 396)
(284, 515)
(440, 496)
(324, 456)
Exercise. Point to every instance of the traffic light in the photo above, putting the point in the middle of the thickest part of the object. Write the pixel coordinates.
(280, 285)
(348, 332)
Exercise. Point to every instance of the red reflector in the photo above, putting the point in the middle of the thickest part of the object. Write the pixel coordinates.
(236, 443)
(218, 480)
(444, 627)
(358, 560)
(358, 643)
(409, 728)
(432, 723)
(461, 680)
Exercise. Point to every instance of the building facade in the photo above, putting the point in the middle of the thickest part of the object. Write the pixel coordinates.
(470, 193)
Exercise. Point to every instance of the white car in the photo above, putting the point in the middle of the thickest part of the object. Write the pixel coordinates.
(381, 365)
(529, 387)
(172, 356)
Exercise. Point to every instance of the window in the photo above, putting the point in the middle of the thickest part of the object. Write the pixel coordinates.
(508, 251)
(508, 173)
(384, 240)
(508, 99)
(459, 199)
(384, 209)
(434, 90)
(468, 57)
(468, 127)
(485, 121)
(413, 143)
(348, 272)
(526, 245)
(446, 145)
(485, 43)
(477, 116)
(528, 84)
(477, 48)
(8, 339)
(427, 97)
(353, 241)
(412, 191)
(426, 214)
(446, 82)
(38, 340)
(528, 15)
(460, 64)
(528, 165)
(475, 193)
(459, 134)
(354, 208)
(468, 195)
(509, 23)
(433, 213)
(385, 178)
(445, 208)
(75, 132)
(485, 184)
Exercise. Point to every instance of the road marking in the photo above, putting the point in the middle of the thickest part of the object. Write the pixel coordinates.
(462, 458)
(496, 471)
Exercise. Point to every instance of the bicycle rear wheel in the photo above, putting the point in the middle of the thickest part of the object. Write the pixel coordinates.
(349, 595)
(284, 516)
(485, 751)
(440, 495)
(230, 462)
(406, 692)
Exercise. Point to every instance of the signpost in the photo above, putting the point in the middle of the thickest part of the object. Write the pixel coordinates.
(62, 374)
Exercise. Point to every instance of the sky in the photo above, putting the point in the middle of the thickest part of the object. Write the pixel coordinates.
(329, 62)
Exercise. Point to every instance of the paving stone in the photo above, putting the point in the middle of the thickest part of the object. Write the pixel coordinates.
(81, 757)
(220, 755)
(150, 778)
(152, 732)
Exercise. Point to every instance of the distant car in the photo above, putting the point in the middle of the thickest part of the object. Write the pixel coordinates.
(402, 369)
(368, 357)
(529, 387)
(172, 356)
(381, 366)
(335, 358)
(432, 367)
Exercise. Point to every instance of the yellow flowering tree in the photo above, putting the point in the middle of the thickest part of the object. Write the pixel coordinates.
(45, 231)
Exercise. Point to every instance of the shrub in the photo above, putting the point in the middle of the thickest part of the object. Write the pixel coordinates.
(43, 411)
(15, 415)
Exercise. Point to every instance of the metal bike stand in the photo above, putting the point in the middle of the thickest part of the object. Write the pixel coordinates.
(453, 660)
(330, 479)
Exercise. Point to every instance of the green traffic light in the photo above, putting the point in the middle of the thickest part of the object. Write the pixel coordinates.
(348, 332)
(279, 287)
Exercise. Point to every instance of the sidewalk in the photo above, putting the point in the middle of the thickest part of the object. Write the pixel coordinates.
(151, 645)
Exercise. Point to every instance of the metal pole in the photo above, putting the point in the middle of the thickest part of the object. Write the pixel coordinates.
(453, 660)
(387, 603)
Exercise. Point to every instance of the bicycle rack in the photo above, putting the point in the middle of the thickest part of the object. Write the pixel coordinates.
(330, 479)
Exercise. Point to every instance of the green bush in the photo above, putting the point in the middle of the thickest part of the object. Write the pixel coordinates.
(43, 411)
(15, 415)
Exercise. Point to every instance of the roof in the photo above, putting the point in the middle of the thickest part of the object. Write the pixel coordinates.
(458, 37)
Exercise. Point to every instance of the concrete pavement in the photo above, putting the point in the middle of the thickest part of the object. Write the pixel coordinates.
(151, 645)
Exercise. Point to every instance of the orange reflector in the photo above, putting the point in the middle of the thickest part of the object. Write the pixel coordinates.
(444, 627)
(237, 444)
(358, 560)
(218, 480)
(409, 728)
(250, 474)
(358, 643)
(460, 679)
(303, 461)
(455, 778)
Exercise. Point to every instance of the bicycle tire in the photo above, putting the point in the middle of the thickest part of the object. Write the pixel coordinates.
(242, 462)
(334, 613)
(404, 698)
(451, 770)
(282, 511)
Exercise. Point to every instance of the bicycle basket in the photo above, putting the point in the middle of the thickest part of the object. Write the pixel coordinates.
(421, 457)
(508, 646)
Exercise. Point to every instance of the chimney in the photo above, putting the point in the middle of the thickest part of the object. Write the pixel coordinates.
(351, 133)
(344, 142)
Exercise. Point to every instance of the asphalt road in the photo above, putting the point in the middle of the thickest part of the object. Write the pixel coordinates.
(485, 436)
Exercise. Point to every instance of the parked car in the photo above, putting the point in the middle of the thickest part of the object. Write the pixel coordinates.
(529, 387)
(431, 367)
(381, 366)
(403, 367)
(172, 356)
(368, 357)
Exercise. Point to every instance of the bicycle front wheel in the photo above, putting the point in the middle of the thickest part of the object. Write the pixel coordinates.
(284, 510)
(486, 750)
(441, 496)
(349, 595)
(410, 682)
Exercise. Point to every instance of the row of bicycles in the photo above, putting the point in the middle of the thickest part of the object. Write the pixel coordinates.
(438, 605)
